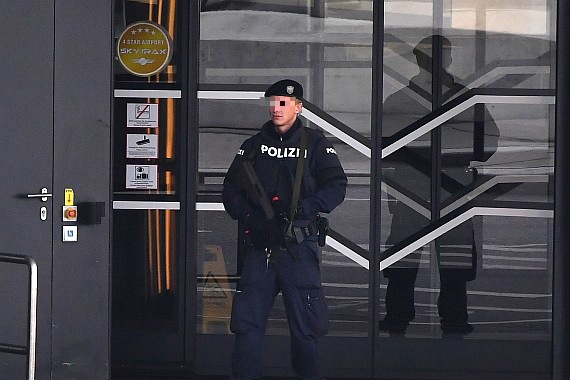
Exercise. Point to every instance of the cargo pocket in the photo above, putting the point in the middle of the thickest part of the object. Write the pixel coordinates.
(317, 312)
(307, 273)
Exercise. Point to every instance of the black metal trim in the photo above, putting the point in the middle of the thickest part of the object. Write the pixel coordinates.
(214, 197)
(436, 102)
(146, 197)
(190, 95)
(561, 276)
(147, 86)
(376, 187)
(406, 192)
(232, 87)
(349, 244)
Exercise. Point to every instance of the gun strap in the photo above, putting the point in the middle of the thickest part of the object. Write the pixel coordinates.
(298, 179)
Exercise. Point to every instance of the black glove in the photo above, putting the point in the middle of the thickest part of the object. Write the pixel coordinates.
(255, 220)
(276, 233)
(304, 213)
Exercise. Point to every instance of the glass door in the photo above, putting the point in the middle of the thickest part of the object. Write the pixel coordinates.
(244, 47)
(467, 170)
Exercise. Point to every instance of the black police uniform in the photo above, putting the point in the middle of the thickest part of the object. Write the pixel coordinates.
(291, 268)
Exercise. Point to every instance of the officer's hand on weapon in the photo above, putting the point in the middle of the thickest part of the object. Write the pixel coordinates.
(278, 228)
(281, 222)
(265, 232)
(276, 233)
(255, 220)
(306, 211)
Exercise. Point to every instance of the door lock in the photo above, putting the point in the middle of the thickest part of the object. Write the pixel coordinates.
(43, 213)
(43, 196)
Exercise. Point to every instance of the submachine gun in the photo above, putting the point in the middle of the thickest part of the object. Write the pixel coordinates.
(254, 188)
(282, 220)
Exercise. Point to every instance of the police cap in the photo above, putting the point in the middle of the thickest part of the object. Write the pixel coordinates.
(285, 87)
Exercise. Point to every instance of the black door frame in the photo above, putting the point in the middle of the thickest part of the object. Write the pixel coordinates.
(188, 202)
(561, 285)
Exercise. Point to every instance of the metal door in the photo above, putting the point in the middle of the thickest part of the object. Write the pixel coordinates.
(26, 104)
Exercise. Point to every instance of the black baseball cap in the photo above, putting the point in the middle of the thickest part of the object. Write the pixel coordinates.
(285, 87)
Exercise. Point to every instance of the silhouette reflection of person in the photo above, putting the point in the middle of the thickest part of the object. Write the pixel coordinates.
(470, 136)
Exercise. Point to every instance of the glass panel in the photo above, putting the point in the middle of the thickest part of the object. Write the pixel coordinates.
(325, 46)
(489, 135)
(149, 134)
(162, 12)
(146, 265)
(407, 172)
(146, 159)
(510, 155)
(500, 46)
(217, 271)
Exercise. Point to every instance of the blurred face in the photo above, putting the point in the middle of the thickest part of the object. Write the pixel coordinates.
(283, 111)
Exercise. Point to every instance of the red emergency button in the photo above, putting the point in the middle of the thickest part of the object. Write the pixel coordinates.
(69, 213)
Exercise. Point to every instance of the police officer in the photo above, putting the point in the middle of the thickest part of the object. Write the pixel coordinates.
(274, 262)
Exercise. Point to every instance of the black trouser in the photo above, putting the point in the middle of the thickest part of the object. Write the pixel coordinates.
(296, 274)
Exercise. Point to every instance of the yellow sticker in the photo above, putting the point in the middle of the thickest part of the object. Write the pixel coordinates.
(69, 197)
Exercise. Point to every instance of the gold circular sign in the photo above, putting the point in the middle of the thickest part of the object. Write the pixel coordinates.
(144, 48)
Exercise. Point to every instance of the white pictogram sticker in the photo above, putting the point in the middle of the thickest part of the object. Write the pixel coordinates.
(142, 146)
(142, 115)
(142, 177)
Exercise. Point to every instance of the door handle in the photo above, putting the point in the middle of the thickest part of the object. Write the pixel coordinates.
(43, 195)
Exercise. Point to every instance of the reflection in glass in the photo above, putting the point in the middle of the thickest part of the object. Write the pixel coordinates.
(217, 271)
(497, 151)
(146, 266)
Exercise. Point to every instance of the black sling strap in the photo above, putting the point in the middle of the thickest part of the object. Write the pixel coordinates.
(298, 179)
